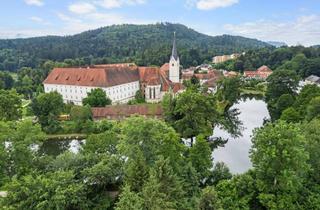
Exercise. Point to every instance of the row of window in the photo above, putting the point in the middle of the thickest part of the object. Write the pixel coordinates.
(75, 89)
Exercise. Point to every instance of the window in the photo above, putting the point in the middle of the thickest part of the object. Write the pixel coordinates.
(150, 93)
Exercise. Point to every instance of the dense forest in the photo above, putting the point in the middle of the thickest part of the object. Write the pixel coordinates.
(143, 44)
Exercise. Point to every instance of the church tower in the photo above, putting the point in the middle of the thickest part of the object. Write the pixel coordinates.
(174, 64)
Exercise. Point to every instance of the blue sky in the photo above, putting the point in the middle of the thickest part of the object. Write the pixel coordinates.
(291, 21)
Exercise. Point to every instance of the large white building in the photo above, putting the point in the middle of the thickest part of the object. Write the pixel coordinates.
(119, 81)
(74, 84)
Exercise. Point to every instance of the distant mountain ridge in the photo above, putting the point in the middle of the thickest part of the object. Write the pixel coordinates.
(143, 44)
(277, 44)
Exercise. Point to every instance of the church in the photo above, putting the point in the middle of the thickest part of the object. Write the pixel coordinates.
(119, 81)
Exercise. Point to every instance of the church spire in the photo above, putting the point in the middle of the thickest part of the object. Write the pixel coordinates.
(174, 48)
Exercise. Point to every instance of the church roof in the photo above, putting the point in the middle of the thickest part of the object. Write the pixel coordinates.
(174, 53)
(92, 77)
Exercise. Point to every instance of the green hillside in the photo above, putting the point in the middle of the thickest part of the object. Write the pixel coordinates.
(143, 44)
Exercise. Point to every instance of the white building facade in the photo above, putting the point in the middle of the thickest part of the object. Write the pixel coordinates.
(120, 85)
(75, 94)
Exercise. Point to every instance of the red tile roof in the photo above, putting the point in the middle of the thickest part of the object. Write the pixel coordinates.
(93, 77)
(119, 65)
(262, 72)
(148, 73)
(165, 67)
(124, 111)
(264, 69)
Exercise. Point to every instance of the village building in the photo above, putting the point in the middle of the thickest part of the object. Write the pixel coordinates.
(224, 58)
(202, 77)
(312, 80)
(119, 81)
(261, 73)
(230, 73)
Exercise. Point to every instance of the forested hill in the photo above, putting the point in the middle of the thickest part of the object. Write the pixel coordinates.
(143, 44)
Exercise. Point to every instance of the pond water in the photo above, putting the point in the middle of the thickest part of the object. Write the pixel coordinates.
(235, 152)
(56, 147)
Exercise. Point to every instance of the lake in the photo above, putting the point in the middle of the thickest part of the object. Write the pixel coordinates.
(235, 153)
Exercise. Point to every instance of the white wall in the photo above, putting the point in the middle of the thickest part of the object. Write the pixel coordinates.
(153, 93)
(174, 70)
(118, 94)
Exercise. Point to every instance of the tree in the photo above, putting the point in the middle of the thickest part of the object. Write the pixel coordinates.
(97, 98)
(153, 138)
(47, 107)
(17, 156)
(240, 192)
(56, 190)
(285, 101)
(80, 114)
(129, 200)
(229, 91)
(10, 105)
(6, 80)
(312, 133)
(290, 115)
(163, 189)
(280, 159)
(307, 93)
(139, 97)
(195, 114)
(200, 157)
(195, 81)
(279, 83)
(220, 172)
(209, 200)
(136, 172)
(313, 109)
(102, 143)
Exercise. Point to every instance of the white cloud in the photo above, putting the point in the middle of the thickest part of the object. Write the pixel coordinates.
(210, 4)
(77, 24)
(82, 8)
(34, 2)
(39, 20)
(303, 30)
(109, 4)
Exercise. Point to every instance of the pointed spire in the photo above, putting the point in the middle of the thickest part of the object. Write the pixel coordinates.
(174, 48)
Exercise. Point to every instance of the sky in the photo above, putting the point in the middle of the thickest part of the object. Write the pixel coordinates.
(291, 21)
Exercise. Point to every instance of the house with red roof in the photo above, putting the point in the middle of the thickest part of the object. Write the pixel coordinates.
(261, 73)
(119, 81)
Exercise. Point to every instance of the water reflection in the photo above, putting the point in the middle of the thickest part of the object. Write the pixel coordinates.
(56, 147)
(235, 152)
